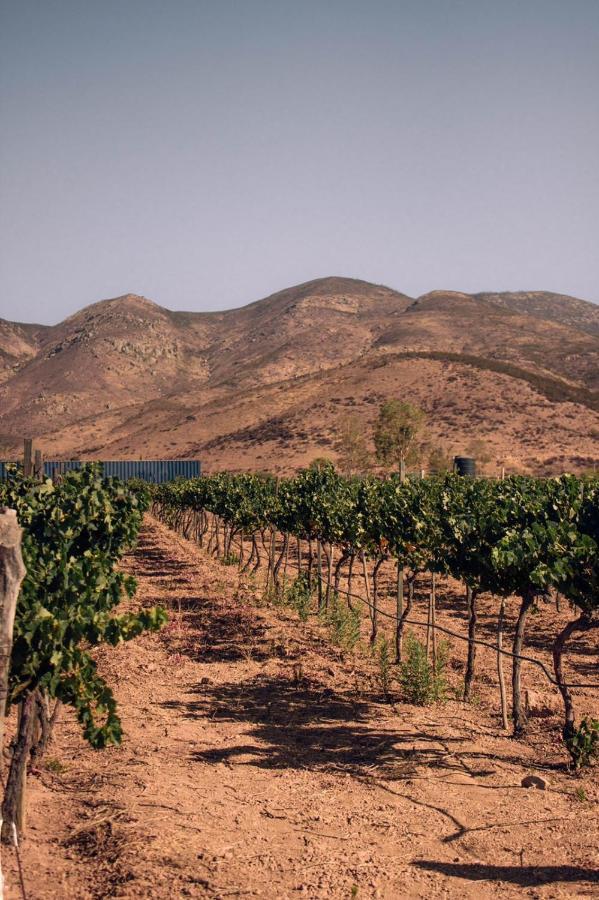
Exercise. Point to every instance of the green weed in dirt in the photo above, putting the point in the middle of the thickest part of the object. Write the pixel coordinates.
(583, 744)
(52, 764)
(299, 596)
(421, 682)
(343, 622)
(230, 559)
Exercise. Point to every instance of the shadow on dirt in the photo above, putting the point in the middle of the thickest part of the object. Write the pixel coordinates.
(524, 876)
(309, 725)
(217, 633)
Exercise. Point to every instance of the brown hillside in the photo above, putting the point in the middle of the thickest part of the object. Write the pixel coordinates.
(546, 305)
(267, 385)
(18, 344)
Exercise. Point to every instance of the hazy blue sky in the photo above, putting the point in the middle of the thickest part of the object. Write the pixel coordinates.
(205, 153)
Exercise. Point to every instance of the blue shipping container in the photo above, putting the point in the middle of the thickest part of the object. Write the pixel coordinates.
(156, 471)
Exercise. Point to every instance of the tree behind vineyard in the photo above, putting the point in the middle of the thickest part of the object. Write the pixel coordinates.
(353, 454)
(397, 434)
(481, 452)
(440, 460)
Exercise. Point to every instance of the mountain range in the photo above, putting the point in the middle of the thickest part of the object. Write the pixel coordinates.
(268, 385)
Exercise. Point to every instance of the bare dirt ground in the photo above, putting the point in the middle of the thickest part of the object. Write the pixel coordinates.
(259, 760)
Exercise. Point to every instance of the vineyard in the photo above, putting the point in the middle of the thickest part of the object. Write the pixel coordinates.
(518, 537)
(418, 582)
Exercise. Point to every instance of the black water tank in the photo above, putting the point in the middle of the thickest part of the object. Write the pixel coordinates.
(464, 465)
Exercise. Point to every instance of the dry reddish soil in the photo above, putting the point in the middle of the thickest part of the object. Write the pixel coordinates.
(260, 760)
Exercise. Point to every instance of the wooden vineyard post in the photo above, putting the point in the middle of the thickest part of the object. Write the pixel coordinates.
(27, 457)
(38, 465)
(12, 572)
(330, 559)
(350, 576)
(375, 599)
(319, 573)
(500, 675)
(428, 626)
(367, 584)
(471, 598)
(286, 562)
(398, 611)
(271, 561)
(399, 595)
(270, 576)
(310, 563)
(217, 536)
(434, 621)
(518, 712)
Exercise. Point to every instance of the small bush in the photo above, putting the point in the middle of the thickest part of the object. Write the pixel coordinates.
(421, 682)
(299, 596)
(583, 745)
(272, 595)
(53, 764)
(230, 559)
(343, 622)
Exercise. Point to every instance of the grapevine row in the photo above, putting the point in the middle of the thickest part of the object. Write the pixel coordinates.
(74, 533)
(519, 536)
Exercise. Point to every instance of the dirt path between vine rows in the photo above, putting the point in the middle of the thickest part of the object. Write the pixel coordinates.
(260, 761)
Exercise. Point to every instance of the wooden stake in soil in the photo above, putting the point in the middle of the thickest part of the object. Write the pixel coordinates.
(375, 599)
(286, 562)
(434, 620)
(270, 575)
(350, 576)
(329, 555)
(319, 573)
(472, 621)
(27, 457)
(12, 572)
(367, 584)
(500, 675)
(400, 590)
(428, 626)
(407, 609)
(399, 611)
(38, 466)
(518, 711)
